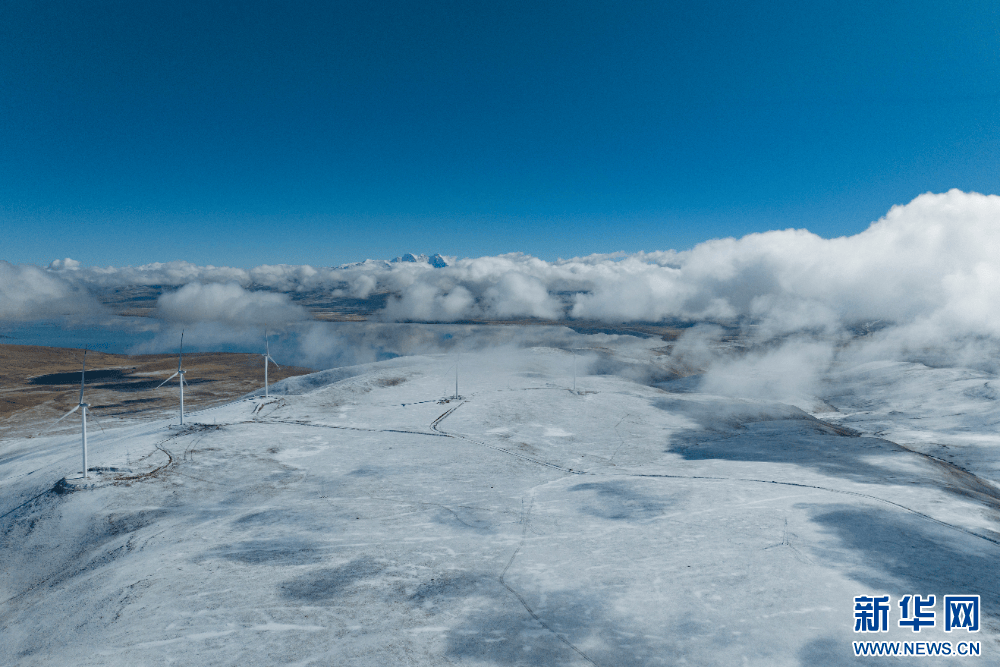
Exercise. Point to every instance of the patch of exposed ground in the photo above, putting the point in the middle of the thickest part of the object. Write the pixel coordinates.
(43, 383)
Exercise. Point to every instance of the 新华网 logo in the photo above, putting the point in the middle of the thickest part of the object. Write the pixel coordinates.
(871, 612)
(917, 612)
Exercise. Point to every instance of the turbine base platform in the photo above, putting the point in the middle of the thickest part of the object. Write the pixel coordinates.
(99, 477)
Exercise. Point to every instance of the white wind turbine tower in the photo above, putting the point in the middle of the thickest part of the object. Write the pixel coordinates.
(458, 359)
(83, 414)
(180, 371)
(267, 358)
(574, 369)
(574, 350)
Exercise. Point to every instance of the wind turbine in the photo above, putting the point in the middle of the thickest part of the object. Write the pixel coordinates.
(458, 357)
(267, 358)
(180, 371)
(574, 350)
(574, 369)
(83, 414)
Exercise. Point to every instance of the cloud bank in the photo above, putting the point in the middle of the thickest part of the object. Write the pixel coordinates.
(930, 263)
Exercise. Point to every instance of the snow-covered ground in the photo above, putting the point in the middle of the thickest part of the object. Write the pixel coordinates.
(360, 517)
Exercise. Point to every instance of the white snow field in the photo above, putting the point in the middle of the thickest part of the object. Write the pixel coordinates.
(359, 518)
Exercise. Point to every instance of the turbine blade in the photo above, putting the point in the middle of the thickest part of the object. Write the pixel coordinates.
(65, 415)
(167, 380)
(93, 415)
(53, 425)
(273, 361)
(181, 357)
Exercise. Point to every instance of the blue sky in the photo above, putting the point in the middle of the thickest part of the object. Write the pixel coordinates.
(263, 132)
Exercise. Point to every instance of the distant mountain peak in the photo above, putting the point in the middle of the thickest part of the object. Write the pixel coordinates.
(410, 257)
(435, 260)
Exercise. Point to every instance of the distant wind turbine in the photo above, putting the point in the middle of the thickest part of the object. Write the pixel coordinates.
(267, 358)
(574, 350)
(180, 371)
(574, 370)
(458, 362)
(83, 414)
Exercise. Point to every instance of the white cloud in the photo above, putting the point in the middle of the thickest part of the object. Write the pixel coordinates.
(30, 293)
(504, 287)
(228, 303)
(157, 273)
(64, 265)
(519, 295)
(789, 373)
(934, 257)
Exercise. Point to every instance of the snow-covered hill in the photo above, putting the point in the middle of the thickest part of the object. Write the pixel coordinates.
(365, 516)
